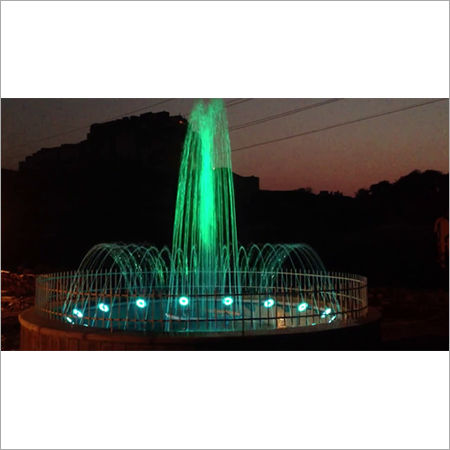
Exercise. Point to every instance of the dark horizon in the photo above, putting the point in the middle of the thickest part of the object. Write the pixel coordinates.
(383, 148)
(133, 166)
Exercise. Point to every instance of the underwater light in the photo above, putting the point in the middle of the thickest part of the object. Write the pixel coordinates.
(77, 313)
(183, 301)
(204, 259)
(227, 301)
(141, 303)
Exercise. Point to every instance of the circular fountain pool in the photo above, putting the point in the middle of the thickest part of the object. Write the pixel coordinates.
(205, 285)
(141, 302)
(291, 313)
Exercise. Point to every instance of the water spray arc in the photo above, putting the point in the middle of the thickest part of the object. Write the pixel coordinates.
(205, 282)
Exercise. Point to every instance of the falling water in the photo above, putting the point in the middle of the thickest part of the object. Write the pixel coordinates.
(205, 282)
(205, 245)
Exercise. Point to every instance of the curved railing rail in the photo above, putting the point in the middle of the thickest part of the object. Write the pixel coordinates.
(144, 301)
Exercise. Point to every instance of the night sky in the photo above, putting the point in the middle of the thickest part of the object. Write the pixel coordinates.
(345, 158)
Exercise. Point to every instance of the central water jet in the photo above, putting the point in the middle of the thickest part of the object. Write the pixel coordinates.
(205, 244)
(205, 282)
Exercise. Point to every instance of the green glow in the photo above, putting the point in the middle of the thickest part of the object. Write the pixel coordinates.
(325, 313)
(77, 313)
(183, 301)
(331, 320)
(69, 320)
(227, 301)
(204, 253)
(141, 303)
(205, 262)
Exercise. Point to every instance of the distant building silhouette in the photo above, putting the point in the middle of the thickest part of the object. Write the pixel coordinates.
(441, 231)
(152, 140)
(119, 184)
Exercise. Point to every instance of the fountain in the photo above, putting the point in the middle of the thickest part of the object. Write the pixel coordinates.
(206, 284)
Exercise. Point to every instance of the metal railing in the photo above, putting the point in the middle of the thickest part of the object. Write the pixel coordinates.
(235, 302)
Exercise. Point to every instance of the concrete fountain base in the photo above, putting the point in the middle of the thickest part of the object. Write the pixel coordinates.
(40, 333)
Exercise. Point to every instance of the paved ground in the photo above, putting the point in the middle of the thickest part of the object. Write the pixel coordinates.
(17, 295)
(412, 319)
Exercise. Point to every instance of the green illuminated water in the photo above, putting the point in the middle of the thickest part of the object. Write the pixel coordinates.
(205, 279)
(205, 245)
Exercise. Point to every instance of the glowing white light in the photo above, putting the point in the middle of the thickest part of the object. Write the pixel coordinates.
(269, 303)
(141, 303)
(103, 307)
(331, 320)
(227, 301)
(77, 313)
(183, 301)
(302, 307)
(325, 313)
(69, 320)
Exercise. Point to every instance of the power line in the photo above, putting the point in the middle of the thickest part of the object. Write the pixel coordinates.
(318, 130)
(237, 102)
(232, 101)
(62, 133)
(228, 105)
(119, 116)
(283, 114)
